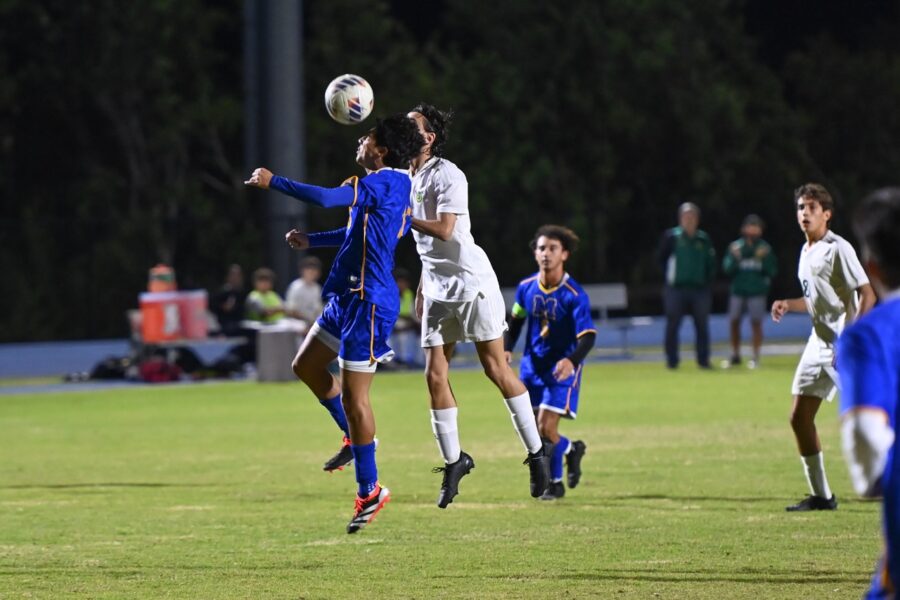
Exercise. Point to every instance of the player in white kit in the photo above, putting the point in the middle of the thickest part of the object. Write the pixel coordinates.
(459, 300)
(836, 291)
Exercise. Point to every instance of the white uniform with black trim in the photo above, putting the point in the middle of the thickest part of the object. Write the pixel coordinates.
(463, 302)
(829, 274)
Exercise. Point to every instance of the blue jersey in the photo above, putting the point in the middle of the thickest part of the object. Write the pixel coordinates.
(868, 360)
(557, 317)
(380, 214)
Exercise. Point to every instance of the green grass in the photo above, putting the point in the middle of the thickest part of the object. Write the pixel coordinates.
(216, 491)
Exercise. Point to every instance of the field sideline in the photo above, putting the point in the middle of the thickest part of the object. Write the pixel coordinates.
(216, 491)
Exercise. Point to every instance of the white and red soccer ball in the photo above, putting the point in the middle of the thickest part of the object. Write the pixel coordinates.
(349, 99)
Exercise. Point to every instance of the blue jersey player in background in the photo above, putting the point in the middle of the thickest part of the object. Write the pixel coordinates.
(560, 333)
(868, 361)
(362, 297)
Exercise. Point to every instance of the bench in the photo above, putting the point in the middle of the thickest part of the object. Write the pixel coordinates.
(605, 297)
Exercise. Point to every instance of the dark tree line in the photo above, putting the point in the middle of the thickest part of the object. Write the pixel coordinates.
(121, 132)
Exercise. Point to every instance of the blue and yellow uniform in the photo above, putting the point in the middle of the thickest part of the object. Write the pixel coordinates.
(557, 317)
(362, 297)
(869, 366)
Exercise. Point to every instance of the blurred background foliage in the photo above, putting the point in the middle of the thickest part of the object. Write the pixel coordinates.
(121, 134)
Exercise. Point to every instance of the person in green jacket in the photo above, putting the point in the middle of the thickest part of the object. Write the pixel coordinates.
(688, 259)
(751, 264)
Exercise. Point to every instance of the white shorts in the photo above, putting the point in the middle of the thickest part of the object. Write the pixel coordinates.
(816, 375)
(478, 320)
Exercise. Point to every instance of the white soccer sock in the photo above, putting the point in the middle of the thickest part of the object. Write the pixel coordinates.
(523, 420)
(443, 424)
(814, 466)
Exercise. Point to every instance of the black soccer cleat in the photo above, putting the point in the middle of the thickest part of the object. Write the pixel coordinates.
(366, 508)
(814, 503)
(573, 463)
(539, 471)
(453, 472)
(555, 491)
(340, 460)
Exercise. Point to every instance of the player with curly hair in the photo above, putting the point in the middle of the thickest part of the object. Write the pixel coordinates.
(362, 297)
(560, 334)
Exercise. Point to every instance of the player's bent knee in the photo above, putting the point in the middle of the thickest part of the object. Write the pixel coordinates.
(297, 367)
(435, 379)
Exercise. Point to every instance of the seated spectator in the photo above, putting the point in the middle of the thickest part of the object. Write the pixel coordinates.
(263, 303)
(228, 303)
(303, 299)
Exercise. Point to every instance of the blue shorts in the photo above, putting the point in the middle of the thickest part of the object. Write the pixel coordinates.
(357, 330)
(559, 397)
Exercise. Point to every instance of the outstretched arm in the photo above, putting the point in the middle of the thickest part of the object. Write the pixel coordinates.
(301, 241)
(327, 197)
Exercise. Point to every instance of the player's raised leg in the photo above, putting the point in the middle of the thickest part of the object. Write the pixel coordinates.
(457, 463)
(803, 415)
(371, 496)
(310, 365)
(517, 400)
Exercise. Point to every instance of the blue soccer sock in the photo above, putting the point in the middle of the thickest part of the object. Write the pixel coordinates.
(366, 470)
(556, 462)
(336, 409)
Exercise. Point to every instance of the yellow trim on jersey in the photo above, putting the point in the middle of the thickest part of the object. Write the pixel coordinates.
(406, 213)
(529, 280)
(585, 332)
(362, 271)
(562, 282)
(355, 181)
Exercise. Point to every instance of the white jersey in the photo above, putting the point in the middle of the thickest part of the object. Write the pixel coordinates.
(458, 269)
(830, 273)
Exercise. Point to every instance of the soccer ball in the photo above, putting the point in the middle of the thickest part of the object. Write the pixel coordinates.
(349, 99)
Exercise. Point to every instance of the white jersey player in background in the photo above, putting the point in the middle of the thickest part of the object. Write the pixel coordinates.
(459, 300)
(836, 291)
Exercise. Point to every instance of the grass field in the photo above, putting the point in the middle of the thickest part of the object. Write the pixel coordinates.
(216, 491)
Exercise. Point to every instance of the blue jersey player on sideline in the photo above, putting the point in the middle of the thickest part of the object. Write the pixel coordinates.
(868, 361)
(560, 335)
(362, 297)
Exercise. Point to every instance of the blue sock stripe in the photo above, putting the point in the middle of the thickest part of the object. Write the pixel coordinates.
(336, 408)
(556, 462)
(366, 470)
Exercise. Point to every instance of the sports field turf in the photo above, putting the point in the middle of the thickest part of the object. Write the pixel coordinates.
(216, 491)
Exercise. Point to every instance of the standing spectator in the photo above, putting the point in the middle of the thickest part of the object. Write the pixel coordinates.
(751, 264)
(264, 304)
(688, 259)
(303, 299)
(228, 302)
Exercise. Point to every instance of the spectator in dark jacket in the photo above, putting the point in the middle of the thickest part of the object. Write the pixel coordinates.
(688, 260)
